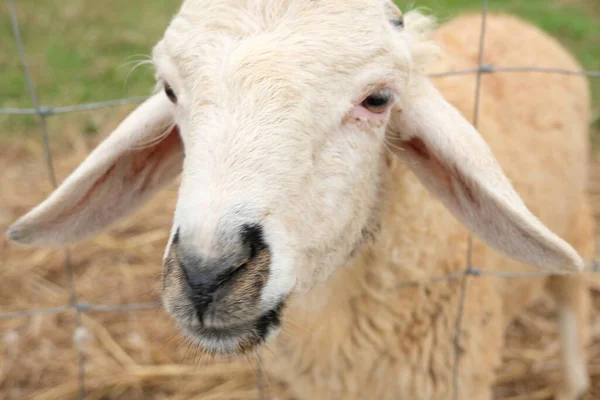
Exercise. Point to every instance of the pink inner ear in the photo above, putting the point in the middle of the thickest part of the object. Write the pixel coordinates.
(134, 174)
(446, 177)
(418, 152)
(480, 212)
(152, 158)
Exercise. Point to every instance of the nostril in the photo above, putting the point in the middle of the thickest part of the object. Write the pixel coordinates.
(207, 278)
(252, 236)
(204, 277)
(203, 285)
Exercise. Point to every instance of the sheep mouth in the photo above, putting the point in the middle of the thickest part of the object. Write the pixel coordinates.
(239, 339)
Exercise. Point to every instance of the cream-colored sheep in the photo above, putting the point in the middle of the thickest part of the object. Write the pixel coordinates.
(322, 170)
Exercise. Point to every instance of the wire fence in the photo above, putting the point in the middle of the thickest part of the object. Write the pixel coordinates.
(78, 307)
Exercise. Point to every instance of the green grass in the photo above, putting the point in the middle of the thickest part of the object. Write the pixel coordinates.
(81, 50)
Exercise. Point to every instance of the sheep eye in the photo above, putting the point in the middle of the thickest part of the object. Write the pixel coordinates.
(378, 101)
(170, 93)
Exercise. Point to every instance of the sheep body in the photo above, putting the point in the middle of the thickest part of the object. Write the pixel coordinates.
(363, 335)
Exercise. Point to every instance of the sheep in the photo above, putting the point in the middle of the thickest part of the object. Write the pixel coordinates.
(321, 168)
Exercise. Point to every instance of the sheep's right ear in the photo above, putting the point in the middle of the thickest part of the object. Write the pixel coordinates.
(142, 155)
(456, 165)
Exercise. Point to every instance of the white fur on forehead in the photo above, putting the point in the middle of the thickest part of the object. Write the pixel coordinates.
(203, 27)
(417, 29)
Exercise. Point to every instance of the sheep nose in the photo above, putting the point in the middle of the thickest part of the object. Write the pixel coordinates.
(209, 280)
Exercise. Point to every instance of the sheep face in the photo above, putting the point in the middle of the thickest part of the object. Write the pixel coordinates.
(283, 126)
(278, 114)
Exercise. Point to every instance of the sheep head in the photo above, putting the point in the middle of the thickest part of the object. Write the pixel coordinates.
(278, 115)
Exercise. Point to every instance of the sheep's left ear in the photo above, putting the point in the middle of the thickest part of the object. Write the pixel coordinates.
(140, 157)
(455, 164)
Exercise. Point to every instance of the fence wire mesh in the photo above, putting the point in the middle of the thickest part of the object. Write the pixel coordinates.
(78, 307)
